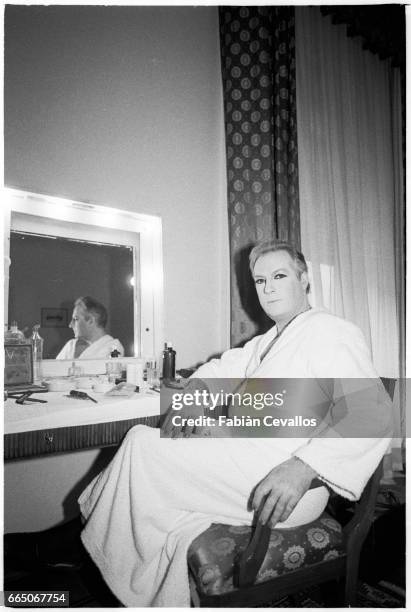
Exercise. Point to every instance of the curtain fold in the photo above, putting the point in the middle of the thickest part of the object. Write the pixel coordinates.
(347, 191)
(398, 143)
(258, 71)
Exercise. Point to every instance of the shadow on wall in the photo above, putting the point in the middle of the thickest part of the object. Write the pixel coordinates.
(70, 505)
(249, 302)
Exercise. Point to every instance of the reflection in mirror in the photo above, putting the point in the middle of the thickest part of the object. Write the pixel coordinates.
(48, 273)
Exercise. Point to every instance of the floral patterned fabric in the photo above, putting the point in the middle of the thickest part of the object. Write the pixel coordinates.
(258, 65)
(212, 555)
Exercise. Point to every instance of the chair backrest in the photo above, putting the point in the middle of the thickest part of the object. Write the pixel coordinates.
(364, 510)
(357, 529)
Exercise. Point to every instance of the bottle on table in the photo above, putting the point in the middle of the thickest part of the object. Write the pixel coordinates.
(37, 344)
(153, 374)
(75, 370)
(169, 362)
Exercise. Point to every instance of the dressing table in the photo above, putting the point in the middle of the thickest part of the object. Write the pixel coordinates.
(65, 424)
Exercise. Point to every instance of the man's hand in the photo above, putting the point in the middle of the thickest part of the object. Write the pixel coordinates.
(186, 412)
(276, 496)
(185, 431)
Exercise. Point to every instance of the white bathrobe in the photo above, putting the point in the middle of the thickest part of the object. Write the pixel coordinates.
(100, 349)
(158, 494)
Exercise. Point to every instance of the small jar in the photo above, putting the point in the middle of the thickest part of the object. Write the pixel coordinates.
(14, 335)
(113, 370)
(75, 370)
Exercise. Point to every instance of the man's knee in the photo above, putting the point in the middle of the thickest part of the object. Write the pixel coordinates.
(141, 433)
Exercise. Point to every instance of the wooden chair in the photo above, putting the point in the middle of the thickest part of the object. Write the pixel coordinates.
(245, 566)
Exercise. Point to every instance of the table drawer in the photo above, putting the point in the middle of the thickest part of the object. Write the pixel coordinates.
(66, 439)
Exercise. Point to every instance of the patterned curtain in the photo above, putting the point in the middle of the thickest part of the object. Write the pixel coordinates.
(258, 66)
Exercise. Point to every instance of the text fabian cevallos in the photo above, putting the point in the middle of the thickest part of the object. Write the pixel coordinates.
(243, 421)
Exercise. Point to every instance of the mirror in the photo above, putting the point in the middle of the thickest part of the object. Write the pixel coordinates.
(48, 272)
(57, 250)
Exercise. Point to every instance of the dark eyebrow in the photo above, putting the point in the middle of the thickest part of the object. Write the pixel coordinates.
(273, 272)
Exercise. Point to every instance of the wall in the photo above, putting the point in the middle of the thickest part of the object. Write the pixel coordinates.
(122, 106)
(42, 492)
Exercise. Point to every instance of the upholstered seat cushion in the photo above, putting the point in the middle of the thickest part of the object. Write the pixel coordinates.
(212, 554)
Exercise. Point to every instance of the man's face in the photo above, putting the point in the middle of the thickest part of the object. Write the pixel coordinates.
(281, 293)
(79, 324)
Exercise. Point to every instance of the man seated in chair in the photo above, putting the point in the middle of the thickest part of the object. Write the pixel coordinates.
(141, 513)
(91, 340)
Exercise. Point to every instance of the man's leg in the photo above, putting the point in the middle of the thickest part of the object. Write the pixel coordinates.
(156, 496)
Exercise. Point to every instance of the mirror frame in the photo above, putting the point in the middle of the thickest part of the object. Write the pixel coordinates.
(148, 261)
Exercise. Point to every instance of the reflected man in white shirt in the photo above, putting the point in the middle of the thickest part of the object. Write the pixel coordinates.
(90, 340)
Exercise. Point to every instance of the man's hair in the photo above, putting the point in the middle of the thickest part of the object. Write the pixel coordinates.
(271, 246)
(95, 308)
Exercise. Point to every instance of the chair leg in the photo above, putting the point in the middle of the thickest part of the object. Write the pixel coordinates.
(333, 593)
(351, 582)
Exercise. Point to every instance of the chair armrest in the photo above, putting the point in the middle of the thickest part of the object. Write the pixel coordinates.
(249, 562)
(356, 529)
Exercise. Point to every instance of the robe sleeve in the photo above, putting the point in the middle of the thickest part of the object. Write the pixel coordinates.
(227, 372)
(351, 445)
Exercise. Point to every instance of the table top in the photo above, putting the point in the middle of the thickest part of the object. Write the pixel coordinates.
(63, 411)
